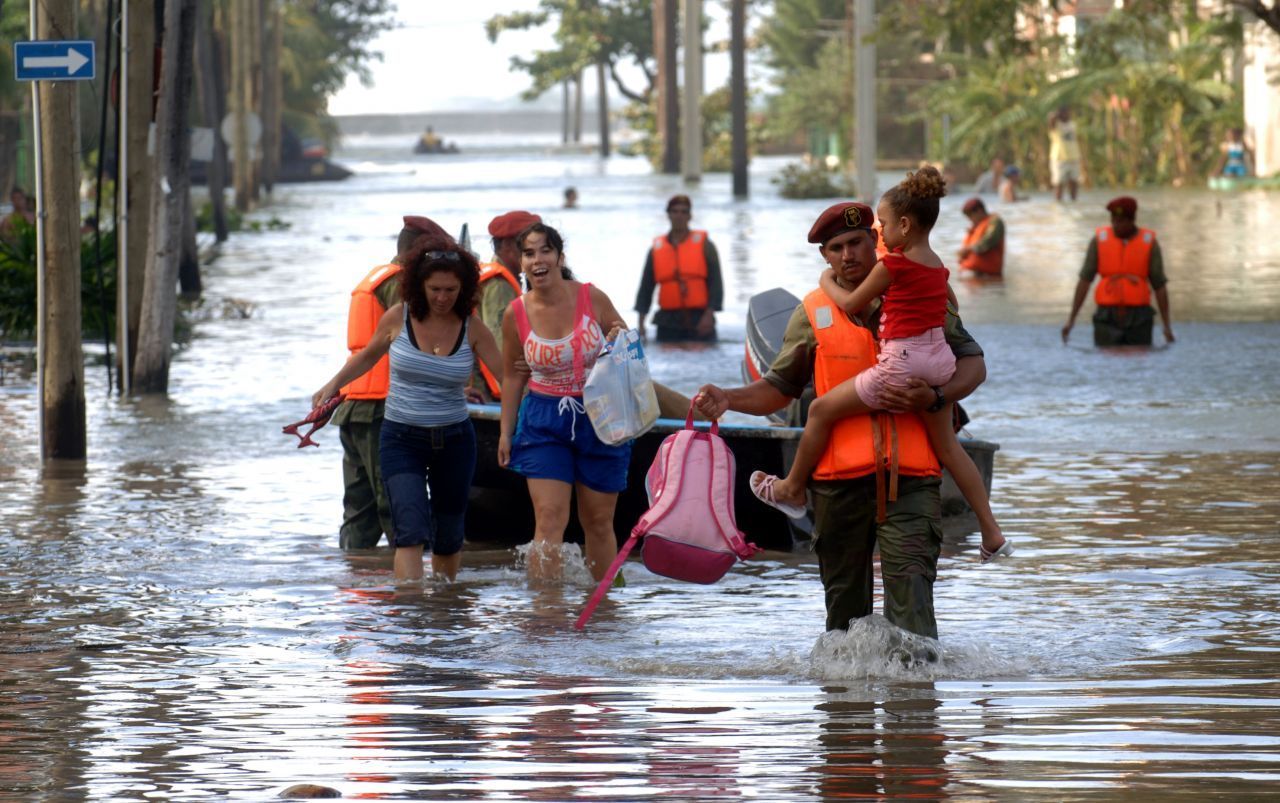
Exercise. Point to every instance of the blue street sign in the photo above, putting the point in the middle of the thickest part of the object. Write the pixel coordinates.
(68, 60)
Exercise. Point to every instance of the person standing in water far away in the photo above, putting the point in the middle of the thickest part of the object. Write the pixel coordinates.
(1066, 159)
(913, 344)
(983, 248)
(684, 266)
(427, 440)
(558, 328)
(1237, 157)
(1131, 266)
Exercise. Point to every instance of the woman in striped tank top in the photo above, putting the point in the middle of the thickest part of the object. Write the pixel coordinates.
(433, 338)
(555, 328)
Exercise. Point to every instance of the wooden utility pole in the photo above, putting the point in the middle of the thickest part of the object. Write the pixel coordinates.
(668, 111)
(239, 38)
(603, 82)
(738, 81)
(272, 92)
(864, 79)
(564, 113)
(692, 90)
(137, 83)
(61, 359)
(211, 96)
(173, 182)
(577, 107)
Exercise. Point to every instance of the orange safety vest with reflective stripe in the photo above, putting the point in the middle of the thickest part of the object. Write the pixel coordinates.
(681, 272)
(489, 271)
(881, 248)
(879, 443)
(1123, 267)
(362, 319)
(992, 261)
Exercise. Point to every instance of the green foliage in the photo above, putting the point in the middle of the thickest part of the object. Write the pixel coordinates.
(717, 131)
(324, 41)
(812, 180)
(236, 221)
(587, 33)
(18, 282)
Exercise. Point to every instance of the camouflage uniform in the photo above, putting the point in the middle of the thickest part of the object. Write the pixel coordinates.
(366, 511)
(495, 296)
(845, 530)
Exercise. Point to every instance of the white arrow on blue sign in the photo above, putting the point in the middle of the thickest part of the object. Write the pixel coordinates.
(54, 60)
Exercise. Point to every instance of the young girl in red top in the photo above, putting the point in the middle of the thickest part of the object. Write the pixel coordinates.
(913, 282)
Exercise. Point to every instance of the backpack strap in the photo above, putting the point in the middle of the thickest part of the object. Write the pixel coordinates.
(522, 320)
(606, 581)
(724, 516)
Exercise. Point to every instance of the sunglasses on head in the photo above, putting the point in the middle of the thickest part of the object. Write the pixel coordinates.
(445, 256)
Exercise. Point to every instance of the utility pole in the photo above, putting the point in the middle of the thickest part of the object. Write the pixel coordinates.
(692, 90)
(239, 37)
(59, 353)
(173, 183)
(668, 105)
(272, 92)
(603, 82)
(211, 95)
(864, 108)
(738, 82)
(577, 107)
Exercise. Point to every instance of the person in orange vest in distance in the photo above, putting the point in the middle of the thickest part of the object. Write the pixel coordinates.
(684, 267)
(366, 511)
(499, 287)
(1130, 265)
(983, 249)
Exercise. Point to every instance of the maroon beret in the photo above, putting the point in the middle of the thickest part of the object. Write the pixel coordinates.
(1124, 205)
(972, 205)
(424, 225)
(512, 223)
(842, 217)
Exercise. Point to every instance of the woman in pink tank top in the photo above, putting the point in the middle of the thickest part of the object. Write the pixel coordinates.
(556, 328)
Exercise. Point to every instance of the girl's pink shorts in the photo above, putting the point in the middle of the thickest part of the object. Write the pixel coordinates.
(925, 355)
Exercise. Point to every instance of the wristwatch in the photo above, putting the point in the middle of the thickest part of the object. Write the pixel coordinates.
(938, 403)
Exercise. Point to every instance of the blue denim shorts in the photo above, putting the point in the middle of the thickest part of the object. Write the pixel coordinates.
(554, 440)
(438, 460)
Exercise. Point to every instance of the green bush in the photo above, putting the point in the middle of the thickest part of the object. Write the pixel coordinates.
(800, 180)
(18, 283)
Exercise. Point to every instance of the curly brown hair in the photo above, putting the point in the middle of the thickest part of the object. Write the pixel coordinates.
(916, 196)
(431, 254)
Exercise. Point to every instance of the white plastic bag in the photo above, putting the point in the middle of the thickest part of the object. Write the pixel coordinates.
(619, 396)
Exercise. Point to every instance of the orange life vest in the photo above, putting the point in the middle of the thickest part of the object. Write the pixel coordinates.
(494, 270)
(681, 272)
(1123, 267)
(992, 261)
(879, 443)
(362, 319)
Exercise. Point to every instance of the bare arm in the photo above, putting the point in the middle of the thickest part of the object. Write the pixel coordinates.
(610, 319)
(1082, 290)
(1162, 302)
(758, 398)
(852, 301)
(485, 346)
(359, 364)
(513, 383)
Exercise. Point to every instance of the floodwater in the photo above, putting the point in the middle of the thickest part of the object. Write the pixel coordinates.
(176, 621)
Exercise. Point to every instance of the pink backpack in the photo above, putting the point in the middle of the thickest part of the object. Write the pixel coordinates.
(689, 529)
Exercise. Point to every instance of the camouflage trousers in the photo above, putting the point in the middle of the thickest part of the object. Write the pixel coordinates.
(910, 540)
(366, 511)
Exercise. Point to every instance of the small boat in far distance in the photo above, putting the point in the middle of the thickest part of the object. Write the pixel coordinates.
(500, 509)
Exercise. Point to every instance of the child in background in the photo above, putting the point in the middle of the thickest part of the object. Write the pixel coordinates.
(913, 281)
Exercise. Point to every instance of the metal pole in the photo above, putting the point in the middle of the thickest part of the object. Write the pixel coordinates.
(865, 98)
(738, 80)
(692, 90)
(122, 202)
(40, 266)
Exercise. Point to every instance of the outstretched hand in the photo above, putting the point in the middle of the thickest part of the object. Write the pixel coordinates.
(711, 401)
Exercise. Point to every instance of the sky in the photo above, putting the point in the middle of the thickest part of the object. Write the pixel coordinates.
(438, 59)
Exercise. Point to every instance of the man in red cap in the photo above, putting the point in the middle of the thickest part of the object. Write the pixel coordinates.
(983, 248)
(854, 502)
(366, 512)
(1130, 264)
(499, 286)
(685, 268)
